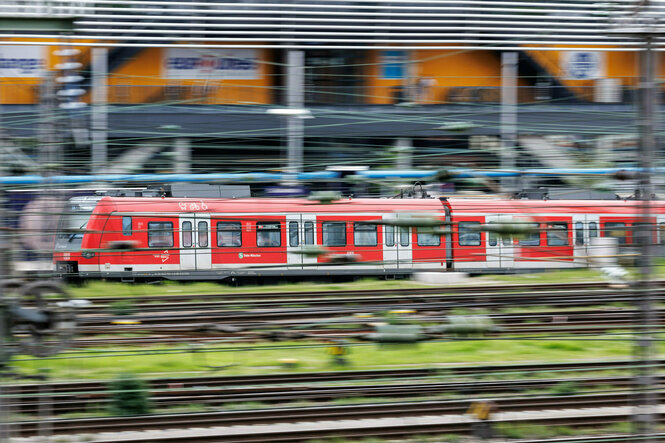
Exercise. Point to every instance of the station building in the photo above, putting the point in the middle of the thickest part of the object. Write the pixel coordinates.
(384, 82)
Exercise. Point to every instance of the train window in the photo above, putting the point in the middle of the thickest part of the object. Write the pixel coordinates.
(616, 230)
(364, 235)
(426, 237)
(229, 234)
(579, 234)
(532, 238)
(73, 223)
(334, 234)
(404, 236)
(469, 235)
(293, 233)
(126, 225)
(557, 234)
(160, 234)
(186, 234)
(593, 230)
(389, 233)
(203, 234)
(309, 233)
(268, 234)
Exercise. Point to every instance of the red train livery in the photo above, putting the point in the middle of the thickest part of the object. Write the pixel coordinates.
(214, 239)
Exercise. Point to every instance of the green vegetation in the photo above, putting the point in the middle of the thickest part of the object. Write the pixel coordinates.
(565, 388)
(121, 307)
(116, 289)
(535, 431)
(559, 276)
(234, 358)
(129, 396)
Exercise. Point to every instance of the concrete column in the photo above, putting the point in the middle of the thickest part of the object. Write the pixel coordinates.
(295, 99)
(404, 149)
(182, 159)
(99, 111)
(508, 117)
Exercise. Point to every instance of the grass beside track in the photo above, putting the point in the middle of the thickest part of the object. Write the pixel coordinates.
(267, 358)
(115, 289)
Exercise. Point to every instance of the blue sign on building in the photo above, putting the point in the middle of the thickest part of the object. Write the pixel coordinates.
(393, 64)
(583, 65)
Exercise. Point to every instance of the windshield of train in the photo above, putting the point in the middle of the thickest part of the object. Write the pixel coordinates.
(75, 218)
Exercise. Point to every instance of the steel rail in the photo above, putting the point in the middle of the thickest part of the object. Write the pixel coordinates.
(458, 408)
(448, 291)
(66, 402)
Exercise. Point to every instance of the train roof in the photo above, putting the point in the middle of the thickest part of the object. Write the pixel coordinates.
(508, 206)
(458, 205)
(252, 205)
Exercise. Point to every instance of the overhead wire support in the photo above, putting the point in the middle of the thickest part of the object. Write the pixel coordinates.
(642, 24)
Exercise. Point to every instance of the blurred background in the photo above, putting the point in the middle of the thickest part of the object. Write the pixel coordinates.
(492, 99)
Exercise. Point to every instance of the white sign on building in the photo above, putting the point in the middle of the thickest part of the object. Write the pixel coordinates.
(582, 65)
(22, 61)
(211, 64)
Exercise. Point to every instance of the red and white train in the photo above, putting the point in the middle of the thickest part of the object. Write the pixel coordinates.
(133, 238)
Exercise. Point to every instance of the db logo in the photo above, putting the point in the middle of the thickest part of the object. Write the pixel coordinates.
(163, 256)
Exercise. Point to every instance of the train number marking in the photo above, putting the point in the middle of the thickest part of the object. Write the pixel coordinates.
(193, 206)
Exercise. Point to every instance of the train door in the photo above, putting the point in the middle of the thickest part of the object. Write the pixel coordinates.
(592, 228)
(500, 249)
(507, 254)
(301, 233)
(580, 239)
(308, 238)
(493, 246)
(294, 257)
(389, 245)
(195, 252)
(397, 247)
(660, 237)
(404, 247)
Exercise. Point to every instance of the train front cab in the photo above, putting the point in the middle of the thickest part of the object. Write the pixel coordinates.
(69, 239)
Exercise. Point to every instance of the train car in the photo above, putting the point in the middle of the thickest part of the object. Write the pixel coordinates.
(561, 234)
(216, 239)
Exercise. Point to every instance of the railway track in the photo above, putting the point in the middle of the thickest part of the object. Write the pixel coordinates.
(450, 414)
(216, 392)
(334, 322)
(263, 297)
(319, 386)
(572, 294)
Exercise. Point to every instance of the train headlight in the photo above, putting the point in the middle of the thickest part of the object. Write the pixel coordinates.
(88, 254)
